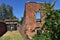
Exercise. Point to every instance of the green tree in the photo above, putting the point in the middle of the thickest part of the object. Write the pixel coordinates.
(10, 11)
(7, 11)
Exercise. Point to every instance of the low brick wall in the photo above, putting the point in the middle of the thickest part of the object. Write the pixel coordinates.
(2, 28)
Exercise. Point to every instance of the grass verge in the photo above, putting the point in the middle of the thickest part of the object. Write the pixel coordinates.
(14, 35)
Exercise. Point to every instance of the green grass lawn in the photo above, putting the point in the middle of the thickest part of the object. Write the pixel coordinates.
(14, 35)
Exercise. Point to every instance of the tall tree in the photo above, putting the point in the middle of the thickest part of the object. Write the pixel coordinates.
(10, 11)
(7, 11)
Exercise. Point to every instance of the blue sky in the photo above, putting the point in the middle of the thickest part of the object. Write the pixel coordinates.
(18, 6)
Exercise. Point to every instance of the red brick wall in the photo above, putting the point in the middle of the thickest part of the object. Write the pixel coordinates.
(2, 28)
(30, 17)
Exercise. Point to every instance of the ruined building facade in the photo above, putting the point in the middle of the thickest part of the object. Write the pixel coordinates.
(30, 24)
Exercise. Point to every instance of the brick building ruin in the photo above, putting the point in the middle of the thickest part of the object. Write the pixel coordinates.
(30, 24)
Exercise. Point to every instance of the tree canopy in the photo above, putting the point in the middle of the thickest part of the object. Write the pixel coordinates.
(7, 11)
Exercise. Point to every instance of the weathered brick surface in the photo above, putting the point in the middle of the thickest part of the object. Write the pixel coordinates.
(30, 22)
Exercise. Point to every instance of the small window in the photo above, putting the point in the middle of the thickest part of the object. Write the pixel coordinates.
(38, 16)
(38, 32)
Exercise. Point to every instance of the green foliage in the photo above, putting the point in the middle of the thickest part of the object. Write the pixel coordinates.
(21, 21)
(7, 11)
(42, 36)
(51, 25)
